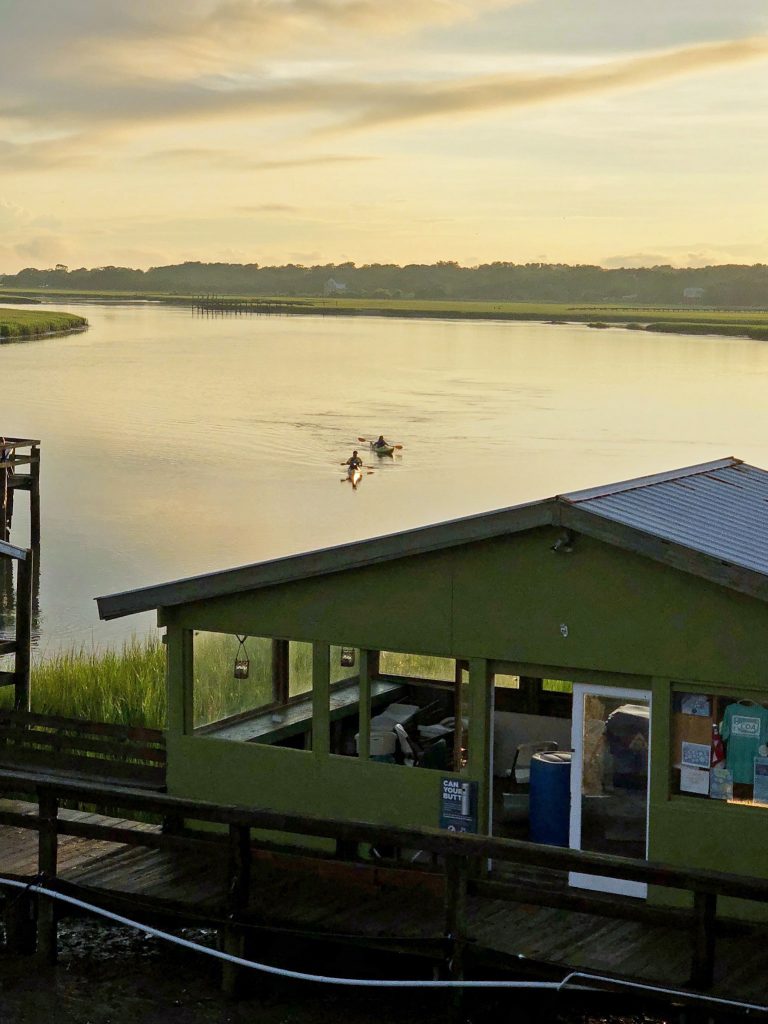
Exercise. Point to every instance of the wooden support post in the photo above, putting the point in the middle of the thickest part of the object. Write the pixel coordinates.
(47, 866)
(34, 498)
(369, 665)
(321, 708)
(458, 730)
(24, 572)
(456, 913)
(530, 690)
(238, 895)
(704, 922)
(5, 530)
(19, 921)
(280, 680)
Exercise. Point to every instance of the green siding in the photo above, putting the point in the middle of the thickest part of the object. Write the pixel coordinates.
(503, 599)
(302, 781)
(506, 599)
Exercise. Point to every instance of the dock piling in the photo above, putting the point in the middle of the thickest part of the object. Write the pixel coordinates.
(232, 937)
(47, 867)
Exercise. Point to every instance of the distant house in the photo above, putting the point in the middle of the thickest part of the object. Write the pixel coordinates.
(333, 287)
(692, 295)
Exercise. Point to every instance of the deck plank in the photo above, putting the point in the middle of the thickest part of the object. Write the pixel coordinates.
(329, 899)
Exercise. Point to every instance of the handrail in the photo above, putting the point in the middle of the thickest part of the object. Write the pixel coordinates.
(11, 551)
(432, 840)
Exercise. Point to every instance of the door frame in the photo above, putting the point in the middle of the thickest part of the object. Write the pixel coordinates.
(601, 883)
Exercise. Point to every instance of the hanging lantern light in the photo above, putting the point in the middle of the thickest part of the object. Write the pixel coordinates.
(242, 664)
(347, 657)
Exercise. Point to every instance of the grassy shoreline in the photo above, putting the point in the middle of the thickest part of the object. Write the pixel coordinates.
(32, 324)
(125, 686)
(657, 319)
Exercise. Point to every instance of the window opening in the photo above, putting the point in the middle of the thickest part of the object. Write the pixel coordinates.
(719, 747)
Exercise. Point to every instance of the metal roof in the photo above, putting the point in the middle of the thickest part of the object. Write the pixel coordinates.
(718, 508)
(710, 520)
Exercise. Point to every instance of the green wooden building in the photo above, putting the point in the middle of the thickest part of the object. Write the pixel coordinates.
(627, 624)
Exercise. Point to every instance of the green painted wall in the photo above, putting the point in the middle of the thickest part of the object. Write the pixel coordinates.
(507, 598)
(302, 781)
(502, 599)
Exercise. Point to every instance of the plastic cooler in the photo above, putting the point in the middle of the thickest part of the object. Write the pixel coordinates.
(550, 797)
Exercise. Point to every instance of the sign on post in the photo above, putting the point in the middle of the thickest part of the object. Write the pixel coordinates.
(458, 805)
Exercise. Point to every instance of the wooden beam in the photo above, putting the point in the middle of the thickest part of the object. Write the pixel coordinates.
(456, 914)
(34, 499)
(705, 923)
(47, 869)
(238, 895)
(22, 696)
(20, 482)
(368, 665)
(430, 839)
(12, 551)
(321, 694)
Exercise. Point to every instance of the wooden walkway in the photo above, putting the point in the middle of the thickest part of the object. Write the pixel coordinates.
(384, 907)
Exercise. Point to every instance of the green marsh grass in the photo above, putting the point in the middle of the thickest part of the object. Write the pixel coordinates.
(16, 323)
(127, 686)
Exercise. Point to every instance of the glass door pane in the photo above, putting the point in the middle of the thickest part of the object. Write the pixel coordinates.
(609, 812)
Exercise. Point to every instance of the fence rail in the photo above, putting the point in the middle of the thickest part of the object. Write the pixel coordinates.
(97, 750)
(464, 857)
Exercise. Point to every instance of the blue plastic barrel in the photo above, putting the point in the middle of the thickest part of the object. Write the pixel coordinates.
(550, 800)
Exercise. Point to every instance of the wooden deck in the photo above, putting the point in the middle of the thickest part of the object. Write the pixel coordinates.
(382, 906)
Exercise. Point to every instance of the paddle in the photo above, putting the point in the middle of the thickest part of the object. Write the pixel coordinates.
(364, 441)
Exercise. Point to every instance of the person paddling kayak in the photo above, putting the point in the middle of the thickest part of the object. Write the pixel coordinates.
(381, 443)
(355, 462)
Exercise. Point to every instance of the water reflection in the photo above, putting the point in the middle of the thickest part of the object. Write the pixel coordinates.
(177, 444)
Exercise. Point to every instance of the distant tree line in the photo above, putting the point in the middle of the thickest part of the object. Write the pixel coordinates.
(728, 285)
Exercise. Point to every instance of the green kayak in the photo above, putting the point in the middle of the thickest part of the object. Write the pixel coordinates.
(382, 449)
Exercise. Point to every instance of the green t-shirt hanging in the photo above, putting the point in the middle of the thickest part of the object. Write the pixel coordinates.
(744, 728)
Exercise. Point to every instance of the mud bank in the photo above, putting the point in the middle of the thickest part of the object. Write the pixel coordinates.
(113, 975)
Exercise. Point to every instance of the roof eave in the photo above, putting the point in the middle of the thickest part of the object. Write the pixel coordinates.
(325, 561)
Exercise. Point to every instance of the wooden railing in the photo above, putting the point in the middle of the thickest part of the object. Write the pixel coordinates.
(463, 860)
(20, 452)
(21, 644)
(94, 750)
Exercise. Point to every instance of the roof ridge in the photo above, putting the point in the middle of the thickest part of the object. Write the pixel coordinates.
(701, 469)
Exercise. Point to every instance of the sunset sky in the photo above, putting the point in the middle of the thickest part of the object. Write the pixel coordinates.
(145, 132)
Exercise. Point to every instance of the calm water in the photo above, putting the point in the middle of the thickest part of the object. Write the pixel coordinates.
(174, 444)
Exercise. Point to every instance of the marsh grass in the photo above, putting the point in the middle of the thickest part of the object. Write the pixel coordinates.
(127, 686)
(29, 323)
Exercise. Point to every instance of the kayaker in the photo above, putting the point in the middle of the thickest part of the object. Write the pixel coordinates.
(355, 462)
(381, 443)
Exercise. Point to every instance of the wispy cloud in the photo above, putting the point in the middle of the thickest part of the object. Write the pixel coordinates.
(238, 160)
(498, 91)
(368, 104)
(45, 154)
(267, 208)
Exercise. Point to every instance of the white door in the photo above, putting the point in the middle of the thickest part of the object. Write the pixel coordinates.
(611, 741)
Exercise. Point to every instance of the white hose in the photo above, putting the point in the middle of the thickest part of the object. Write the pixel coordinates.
(282, 972)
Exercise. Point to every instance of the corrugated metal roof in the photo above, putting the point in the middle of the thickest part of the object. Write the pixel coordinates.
(718, 508)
